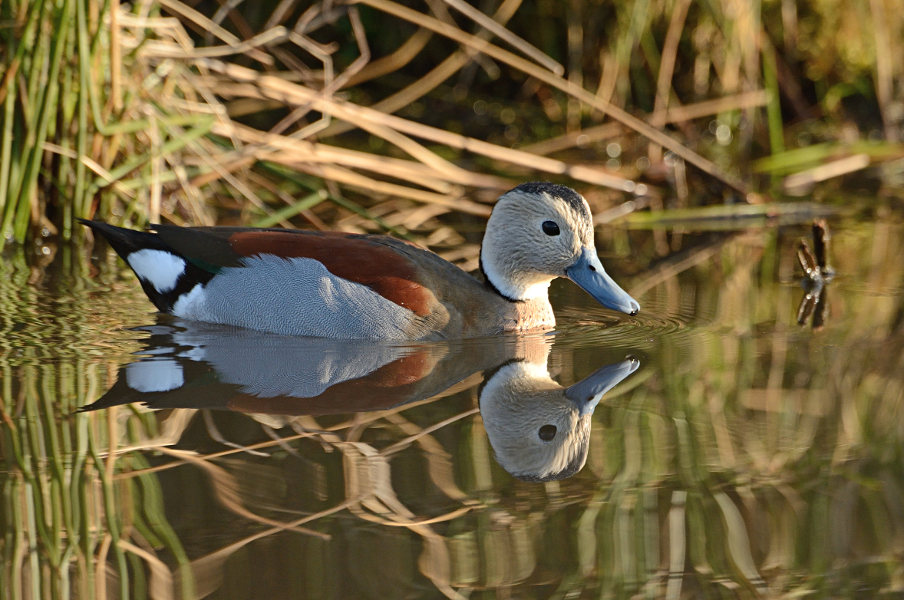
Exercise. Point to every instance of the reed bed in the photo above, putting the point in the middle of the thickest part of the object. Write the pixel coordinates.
(360, 113)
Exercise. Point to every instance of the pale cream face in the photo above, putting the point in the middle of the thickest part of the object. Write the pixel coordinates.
(532, 237)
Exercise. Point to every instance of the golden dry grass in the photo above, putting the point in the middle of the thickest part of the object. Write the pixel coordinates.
(162, 111)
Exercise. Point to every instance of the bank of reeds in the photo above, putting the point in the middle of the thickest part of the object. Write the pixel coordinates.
(349, 112)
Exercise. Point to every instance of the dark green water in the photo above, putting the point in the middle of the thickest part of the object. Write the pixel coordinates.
(739, 453)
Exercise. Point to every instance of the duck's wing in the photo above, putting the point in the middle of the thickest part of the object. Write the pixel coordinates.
(391, 268)
(200, 273)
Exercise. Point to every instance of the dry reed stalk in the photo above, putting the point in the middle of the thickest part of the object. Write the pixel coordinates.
(568, 87)
(507, 36)
(666, 71)
(437, 75)
(802, 182)
(290, 150)
(673, 114)
(362, 182)
(884, 68)
(276, 88)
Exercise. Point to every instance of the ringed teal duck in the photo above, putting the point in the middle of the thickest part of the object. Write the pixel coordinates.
(351, 286)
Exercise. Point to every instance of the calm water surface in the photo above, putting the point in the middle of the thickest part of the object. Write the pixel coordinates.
(710, 447)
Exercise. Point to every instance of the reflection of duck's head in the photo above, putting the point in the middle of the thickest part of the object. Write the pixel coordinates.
(539, 430)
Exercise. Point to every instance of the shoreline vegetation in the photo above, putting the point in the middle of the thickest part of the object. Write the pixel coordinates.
(373, 115)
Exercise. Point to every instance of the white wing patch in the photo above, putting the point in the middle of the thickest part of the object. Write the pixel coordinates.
(160, 268)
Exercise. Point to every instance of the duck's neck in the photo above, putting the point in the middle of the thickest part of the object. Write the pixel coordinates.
(534, 314)
(514, 288)
(516, 316)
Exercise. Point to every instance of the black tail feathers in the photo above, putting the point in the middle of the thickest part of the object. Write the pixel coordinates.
(164, 285)
(125, 241)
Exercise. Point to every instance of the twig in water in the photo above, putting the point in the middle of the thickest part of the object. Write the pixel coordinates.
(818, 274)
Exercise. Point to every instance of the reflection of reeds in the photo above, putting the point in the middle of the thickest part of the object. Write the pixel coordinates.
(766, 460)
(762, 462)
(70, 529)
(62, 514)
(788, 423)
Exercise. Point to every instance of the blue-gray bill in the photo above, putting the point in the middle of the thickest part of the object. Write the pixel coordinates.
(588, 272)
(587, 393)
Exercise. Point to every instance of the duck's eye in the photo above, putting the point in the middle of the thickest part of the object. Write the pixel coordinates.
(547, 432)
(550, 228)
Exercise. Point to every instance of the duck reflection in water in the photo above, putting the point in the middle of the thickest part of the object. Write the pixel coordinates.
(538, 429)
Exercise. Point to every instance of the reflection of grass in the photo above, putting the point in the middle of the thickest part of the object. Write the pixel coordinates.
(765, 461)
(70, 528)
(786, 423)
(160, 110)
(62, 512)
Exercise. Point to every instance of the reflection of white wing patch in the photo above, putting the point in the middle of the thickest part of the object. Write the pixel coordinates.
(161, 269)
(154, 375)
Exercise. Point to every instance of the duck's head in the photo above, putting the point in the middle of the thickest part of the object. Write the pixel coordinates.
(540, 231)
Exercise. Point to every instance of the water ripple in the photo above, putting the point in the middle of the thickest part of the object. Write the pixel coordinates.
(588, 326)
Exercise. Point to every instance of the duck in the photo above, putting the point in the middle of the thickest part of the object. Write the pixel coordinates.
(368, 286)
